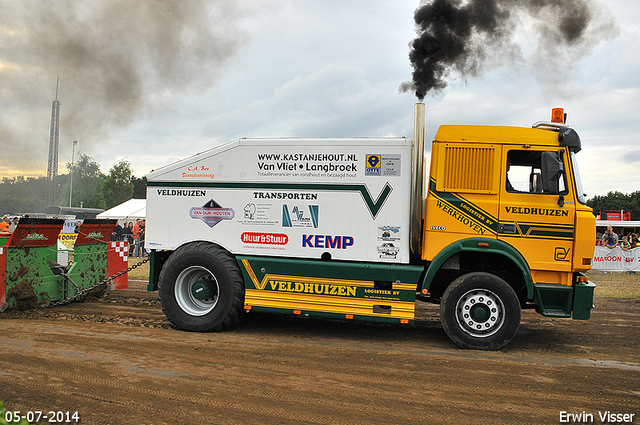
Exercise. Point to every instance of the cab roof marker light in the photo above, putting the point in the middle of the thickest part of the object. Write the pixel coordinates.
(558, 121)
(558, 116)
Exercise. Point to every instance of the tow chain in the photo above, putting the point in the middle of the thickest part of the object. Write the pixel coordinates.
(83, 293)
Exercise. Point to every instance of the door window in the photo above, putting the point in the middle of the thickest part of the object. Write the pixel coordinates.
(524, 173)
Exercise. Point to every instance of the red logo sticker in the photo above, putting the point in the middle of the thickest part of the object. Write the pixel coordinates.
(264, 238)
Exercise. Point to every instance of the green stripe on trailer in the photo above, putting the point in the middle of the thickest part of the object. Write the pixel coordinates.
(374, 206)
(336, 269)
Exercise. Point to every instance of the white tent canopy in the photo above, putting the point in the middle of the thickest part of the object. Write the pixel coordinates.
(130, 210)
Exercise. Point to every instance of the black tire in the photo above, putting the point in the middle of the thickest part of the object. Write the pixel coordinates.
(201, 288)
(480, 311)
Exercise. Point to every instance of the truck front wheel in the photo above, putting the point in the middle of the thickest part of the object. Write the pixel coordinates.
(201, 288)
(480, 311)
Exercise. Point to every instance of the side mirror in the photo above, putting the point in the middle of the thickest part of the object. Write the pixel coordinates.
(552, 170)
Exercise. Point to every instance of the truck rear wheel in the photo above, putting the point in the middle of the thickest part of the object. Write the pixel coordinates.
(480, 311)
(201, 288)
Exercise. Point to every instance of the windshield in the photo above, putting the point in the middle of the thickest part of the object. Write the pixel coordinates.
(576, 176)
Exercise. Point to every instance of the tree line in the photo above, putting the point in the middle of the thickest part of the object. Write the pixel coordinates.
(91, 188)
(617, 201)
(94, 189)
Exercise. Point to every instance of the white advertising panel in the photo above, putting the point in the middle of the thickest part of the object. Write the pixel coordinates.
(288, 197)
(616, 259)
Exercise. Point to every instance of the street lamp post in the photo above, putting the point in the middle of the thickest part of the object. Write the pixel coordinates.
(73, 156)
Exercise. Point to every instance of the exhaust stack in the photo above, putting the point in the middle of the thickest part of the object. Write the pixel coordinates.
(417, 181)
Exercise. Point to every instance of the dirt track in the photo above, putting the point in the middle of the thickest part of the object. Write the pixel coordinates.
(116, 360)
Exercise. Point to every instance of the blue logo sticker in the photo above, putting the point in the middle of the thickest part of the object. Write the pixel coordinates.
(296, 217)
(372, 167)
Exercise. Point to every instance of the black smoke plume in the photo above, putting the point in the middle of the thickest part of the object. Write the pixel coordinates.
(457, 36)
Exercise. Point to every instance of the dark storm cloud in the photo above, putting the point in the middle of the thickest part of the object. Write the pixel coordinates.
(114, 59)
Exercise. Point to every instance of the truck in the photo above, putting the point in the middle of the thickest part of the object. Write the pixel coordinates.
(352, 229)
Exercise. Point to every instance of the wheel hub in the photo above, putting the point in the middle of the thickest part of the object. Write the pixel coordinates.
(480, 313)
(201, 290)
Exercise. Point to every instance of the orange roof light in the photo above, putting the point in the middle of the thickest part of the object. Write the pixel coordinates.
(557, 115)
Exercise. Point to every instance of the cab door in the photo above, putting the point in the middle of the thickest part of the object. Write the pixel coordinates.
(537, 210)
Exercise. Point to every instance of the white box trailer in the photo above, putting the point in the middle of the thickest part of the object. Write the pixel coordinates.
(335, 228)
(307, 198)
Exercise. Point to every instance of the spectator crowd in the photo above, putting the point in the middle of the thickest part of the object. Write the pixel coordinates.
(610, 239)
(132, 233)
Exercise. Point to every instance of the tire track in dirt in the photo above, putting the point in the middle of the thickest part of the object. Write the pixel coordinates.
(272, 367)
(282, 370)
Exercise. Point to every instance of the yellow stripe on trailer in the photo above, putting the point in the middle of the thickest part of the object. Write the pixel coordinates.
(328, 304)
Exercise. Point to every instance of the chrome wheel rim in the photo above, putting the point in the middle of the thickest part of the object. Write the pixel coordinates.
(480, 313)
(197, 290)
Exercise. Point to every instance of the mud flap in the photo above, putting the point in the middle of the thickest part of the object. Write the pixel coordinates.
(583, 300)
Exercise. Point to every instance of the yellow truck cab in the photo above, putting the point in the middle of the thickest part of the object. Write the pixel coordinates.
(507, 202)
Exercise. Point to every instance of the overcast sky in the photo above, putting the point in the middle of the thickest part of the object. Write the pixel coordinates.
(152, 82)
